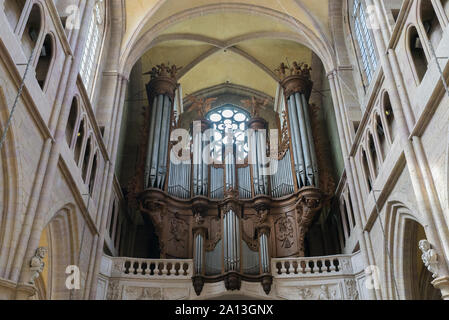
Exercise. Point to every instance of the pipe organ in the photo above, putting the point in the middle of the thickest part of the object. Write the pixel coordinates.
(230, 213)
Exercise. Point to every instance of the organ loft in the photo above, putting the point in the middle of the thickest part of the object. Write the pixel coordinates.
(221, 149)
(253, 202)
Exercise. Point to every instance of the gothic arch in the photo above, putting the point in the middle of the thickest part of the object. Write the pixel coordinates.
(9, 185)
(61, 233)
(137, 46)
(406, 278)
(416, 55)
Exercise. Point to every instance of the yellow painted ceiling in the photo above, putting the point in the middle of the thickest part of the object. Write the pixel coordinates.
(271, 52)
(142, 15)
(257, 54)
(227, 25)
(223, 67)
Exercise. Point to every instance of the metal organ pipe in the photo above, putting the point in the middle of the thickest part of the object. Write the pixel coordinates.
(305, 105)
(263, 243)
(164, 140)
(304, 140)
(150, 141)
(298, 86)
(297, 143)
(157, 142)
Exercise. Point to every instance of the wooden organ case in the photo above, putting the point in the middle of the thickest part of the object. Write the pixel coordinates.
(230, 218)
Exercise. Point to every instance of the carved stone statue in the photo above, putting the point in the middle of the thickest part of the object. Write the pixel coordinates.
(37, 264)
(429, 257)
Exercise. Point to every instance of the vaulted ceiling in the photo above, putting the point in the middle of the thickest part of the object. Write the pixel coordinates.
(225, 41)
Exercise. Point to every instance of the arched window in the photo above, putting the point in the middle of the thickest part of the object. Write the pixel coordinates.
(366, 171)
(71, 122)
(13, 11)
(32, 30)
(431, 23)
(93, 46)
(346, 217)
(417, 53)
(381, 136)
(85, 163)
(112, 218)
(79, 140)
(373, 154)
(93, 175)
(389, 116)
(365, 47)
(45, 59)
(230, 119)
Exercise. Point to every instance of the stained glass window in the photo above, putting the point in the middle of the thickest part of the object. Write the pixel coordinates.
(230, 124)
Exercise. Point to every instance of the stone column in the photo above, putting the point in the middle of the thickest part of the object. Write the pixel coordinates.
(34, 224)
(422, 181)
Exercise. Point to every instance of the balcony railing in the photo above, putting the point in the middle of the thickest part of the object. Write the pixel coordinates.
(151, 268)
(312, 266)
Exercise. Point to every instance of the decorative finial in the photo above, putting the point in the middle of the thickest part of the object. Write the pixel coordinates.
(163, 70)
(301, 69)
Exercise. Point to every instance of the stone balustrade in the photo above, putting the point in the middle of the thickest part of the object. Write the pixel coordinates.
(151, 268)
(311, 266)
(331, 278)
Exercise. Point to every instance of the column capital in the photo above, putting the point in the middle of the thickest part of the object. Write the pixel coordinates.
(442, 283)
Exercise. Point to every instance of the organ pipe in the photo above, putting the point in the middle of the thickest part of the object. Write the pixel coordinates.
(297, 87)
(200, 168)
(258, 152)
(161, 92)
(231, 241)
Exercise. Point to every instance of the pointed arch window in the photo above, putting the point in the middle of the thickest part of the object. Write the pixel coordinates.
(365, 43)
(93, 46)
